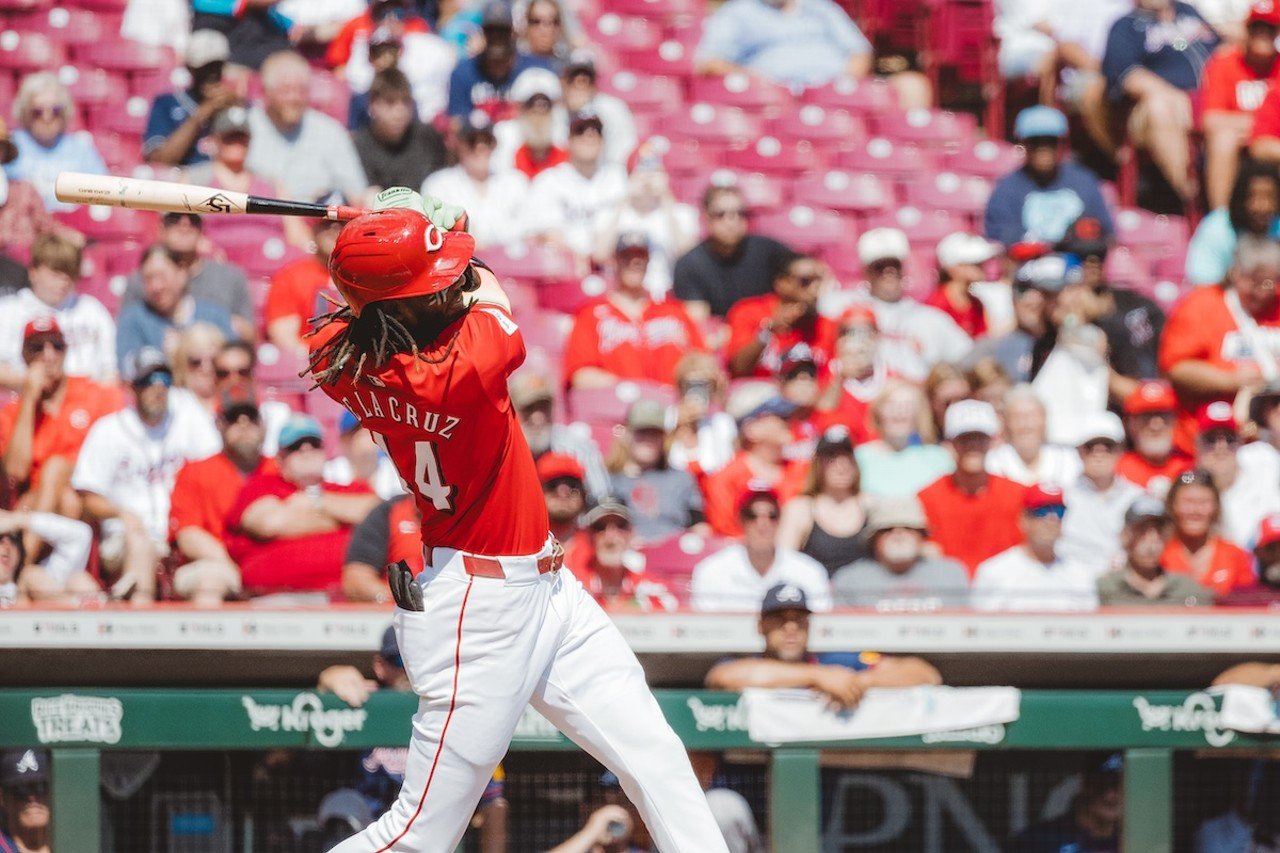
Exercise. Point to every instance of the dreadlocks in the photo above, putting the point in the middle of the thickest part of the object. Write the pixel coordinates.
(384, 330)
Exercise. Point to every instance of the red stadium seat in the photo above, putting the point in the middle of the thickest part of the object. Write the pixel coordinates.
(901, 162)
(569, 293)
(114, 7)
(69, 26)
(832, 129)
(121, 153)
(807, 229)
(657, 10)
(618, 32)
(865, 97)
(739, 90)
(127, 119)
(948, 191)
(1140, 228)
(609, 406)
(257, 249)
(112, 223)
(850, 192)
(279, 369)
(1124, 267)
(690, 158)
(27, 52)
(923, 228)
(119, 55)
(673, 560)
(645, 93)
(94, 87)
(987, 158)
(934, 129)
(532, 263)
(759, 191)
(706, 122)
(773, 157)
(671, 58)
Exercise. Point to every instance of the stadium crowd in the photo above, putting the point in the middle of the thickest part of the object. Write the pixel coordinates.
(787, 321)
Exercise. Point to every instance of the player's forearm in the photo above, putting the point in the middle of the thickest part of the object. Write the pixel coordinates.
(196, 543)
(491, 291)
(347, 509)
(362, 582)
(18, 454)
(755, 672)
(900, 672)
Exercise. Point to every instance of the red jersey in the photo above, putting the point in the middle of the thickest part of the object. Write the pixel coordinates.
(973, 320)
(299, 290)
(205, 490)
(1230, 85)
(62, 432)
(531, 168)
(1154, 478)
(973, 528)
(645, 349)
(453, 435)
(749, 316)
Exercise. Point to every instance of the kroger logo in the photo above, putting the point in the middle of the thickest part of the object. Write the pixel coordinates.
(305, 713)
(1197, 713)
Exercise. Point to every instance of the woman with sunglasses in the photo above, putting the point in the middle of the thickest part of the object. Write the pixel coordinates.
(826, 520)
(1196, 549)
(43, 110)
(193, 363)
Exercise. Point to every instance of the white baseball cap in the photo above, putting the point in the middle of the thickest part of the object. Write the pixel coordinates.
(966, 416)
(1101, 425)
(881, 244)
(206, 46)
(961, 248)
(533, 82)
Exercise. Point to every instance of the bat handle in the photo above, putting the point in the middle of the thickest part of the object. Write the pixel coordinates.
(343, 213)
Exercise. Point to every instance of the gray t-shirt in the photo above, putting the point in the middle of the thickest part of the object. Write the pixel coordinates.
(315, 159)
(1179, 591)
(662, 503)
(930, 584)
(216, 282)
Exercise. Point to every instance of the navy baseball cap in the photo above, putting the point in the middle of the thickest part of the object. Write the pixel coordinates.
(784, 596)
(23, 766)
(389, 648)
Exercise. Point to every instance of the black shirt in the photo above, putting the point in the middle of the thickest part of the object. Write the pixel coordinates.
(13, 276)
(370, 539)
(1133, 334)
(253, 36)
(703, 276)
(1061, 836)
(404, 164)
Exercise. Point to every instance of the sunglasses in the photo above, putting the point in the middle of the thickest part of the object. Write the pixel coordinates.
(27, 790)
(769, 515)
(581, 130)
(225, 373)
(54, 111)
(881, 267)
(729, 213)
(304, 444)
(156, 377)
(1055, 510)
(194, 362)
(611, 523)
(251, 417)
(544, 22)
(806, 281)
(34, 347)
(1216, 439)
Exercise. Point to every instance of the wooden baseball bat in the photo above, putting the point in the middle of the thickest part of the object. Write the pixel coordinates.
(172, 197)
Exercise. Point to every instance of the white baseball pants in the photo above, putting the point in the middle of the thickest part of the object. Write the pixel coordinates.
(483, 649)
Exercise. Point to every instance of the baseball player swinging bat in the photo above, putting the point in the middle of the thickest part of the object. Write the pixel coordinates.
(173, 197)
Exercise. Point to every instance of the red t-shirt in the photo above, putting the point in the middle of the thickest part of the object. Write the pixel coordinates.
(62, 432)
(972, 319)
(297, 290)
(524, 161)
(645, 349)
(722, 491)
(748, 316)
(453, 435)
(204, 492)
(973, 528)
(312, 562)
(1201, 328)
(1153, 478)
(1230, 568)
(404, 540)
(339, 52)
(1230, 85)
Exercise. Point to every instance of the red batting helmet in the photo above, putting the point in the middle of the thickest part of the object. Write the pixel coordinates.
(394, 254)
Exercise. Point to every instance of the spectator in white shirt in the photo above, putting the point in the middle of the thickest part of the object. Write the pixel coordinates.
(570, 204)
(582, 94)
(360, 459)
(737, 577)
(61, 576)
(1026, 457)
(1032, 576)
(127, 467)
(527, 142)
(495, 201)
(86, 324)
(1248, 494)
(1097, 499)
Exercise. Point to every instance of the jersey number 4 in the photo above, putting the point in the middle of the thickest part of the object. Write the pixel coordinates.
(429, 479)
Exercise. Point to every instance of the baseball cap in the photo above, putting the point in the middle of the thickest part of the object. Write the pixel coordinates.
(46, 325)
(347, 807)
(1151, 395)
(23, 766)
(584, 119)
(757, 491)
(297, 429)
(1146, 506)
(236, 401)
(1049, 273)
(1216, 416)
(784, 596)
(607, 508)
(970, 416)
(384, 36)
(143, 362)
(206, 46)
(535, 83)
(1084, 237)
(1100, 425)
(476, 125)
(1264, 12)
(389, 648)
(581, 61)
(630, 242)
(882, 244)
(347, 422)
(1027, 250)
(1041, 495)
(497, 16)
(858, 314)
(231, 120)
(559, 466)
(1268, 531)
(888, 513)
(834, 440)
(795, 359)
(528, 388)
(1039, 121)
(646, 414)
(753, 400)
(961, 248)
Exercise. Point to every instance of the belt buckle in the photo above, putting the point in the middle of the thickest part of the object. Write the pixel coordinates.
(483, 567)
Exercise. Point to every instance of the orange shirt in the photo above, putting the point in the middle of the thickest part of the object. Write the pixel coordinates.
(62, 432)
(973, 528)
(722, 491)
(1230, 85)
(750, 315)
(339, 51)
(1230, 567)
(973, 320)
(647, 348)
(531, 168)
(1153, 478)
(204, 491)
(1201, 328)
(296, 290)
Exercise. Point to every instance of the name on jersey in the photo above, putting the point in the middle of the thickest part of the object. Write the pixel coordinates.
(371, 404)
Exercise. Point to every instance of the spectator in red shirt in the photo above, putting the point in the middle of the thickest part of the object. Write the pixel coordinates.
(1266, 553)
(610, 568)
(204, 491)
(1153, 463)
(41, 430)
(798, 379)
(1196, 549)
(960, 260)
(562, 486)
(625, 334)
(1220, 341)
(1234, 86)
(391, 531)
(859, 372)
(763, 328)
(297, 291)
(288, 530)
(763, 433)
(972, 515)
